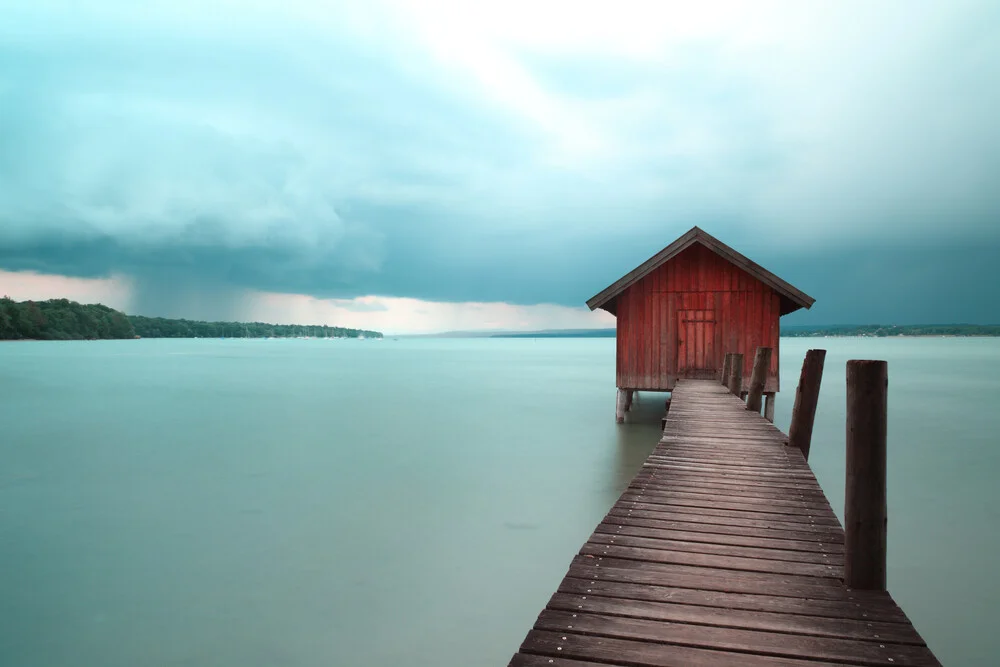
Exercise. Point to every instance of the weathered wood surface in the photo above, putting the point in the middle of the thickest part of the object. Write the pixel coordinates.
(755, 395)
(722, 551)
(806, 400)
(865, 497)
(769, 406)
(680, 320)
(736, 374)
(620, 405)
(727, 367)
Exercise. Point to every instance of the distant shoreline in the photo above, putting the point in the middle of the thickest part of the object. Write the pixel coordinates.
(825, 331)
(62, 319)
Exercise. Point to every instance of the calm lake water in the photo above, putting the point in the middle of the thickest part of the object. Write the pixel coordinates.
(407, 502)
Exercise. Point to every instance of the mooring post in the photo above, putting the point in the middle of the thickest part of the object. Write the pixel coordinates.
(727, 366)
(769, 406)
(806, 398)
(865, 517)
(758, 377)
(620, 405)
(736, 374)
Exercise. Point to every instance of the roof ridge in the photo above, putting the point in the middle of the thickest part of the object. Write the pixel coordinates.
(696, 234)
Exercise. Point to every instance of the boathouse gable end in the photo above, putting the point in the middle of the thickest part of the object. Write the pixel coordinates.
(680, 312)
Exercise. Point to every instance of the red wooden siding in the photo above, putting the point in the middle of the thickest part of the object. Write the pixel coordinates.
(700, 306)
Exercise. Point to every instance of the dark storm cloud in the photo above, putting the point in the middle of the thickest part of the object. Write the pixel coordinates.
(315, 150)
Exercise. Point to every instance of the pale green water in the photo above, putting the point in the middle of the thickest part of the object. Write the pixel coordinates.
(410, 502)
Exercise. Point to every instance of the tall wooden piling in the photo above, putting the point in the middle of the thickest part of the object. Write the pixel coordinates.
(865, 499)
(806, 399)
(620, 406)
(727, 367)
(761, 365)
(736, 373)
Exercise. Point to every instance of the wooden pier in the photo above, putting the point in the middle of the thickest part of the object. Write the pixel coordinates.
(723, 551)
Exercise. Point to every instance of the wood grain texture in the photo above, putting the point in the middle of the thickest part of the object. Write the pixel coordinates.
(806, 400)
(723, 550)
(736, 374)
(865, 497)
(680, 319)
(761, 365)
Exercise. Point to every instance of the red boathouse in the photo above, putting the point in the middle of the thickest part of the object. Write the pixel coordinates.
(683, 309)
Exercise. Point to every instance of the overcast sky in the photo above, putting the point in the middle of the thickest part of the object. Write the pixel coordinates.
(434, 165)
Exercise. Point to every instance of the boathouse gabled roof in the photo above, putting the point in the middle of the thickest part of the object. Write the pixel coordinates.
(791, 298)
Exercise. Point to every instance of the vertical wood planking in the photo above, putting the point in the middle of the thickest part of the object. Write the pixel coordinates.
(621, 330)
(636, 338)
(648, 339)
(699, 333)
(754, 338)
(654, 329)
(717, 338)
(665, 350)
(643, 294)
(629, 343)
(672, 333)
(774, 381)
(624, 324)
(729, 311)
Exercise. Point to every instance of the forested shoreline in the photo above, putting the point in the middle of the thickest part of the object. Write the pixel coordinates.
(62, 319)
(886, 330)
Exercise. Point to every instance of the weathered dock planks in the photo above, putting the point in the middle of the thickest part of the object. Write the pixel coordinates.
(722, 551)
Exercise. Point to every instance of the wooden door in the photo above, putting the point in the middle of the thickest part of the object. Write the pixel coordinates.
(696, 344)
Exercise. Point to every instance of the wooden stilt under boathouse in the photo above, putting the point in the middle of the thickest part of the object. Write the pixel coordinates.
(683, 309)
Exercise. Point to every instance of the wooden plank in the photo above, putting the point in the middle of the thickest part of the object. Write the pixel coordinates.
(717, 537)
(724, 473)
(714, 481)
(874, 610)
(686, 575)
(833, 539)
(762, 549)
(721, 511)
(654, 473)
(793, 502)
(733, 639)
(799, 624)
(640, 513)
(707, 502)
(773, 469)
(726, 562)
(561, 646)
(734, 491)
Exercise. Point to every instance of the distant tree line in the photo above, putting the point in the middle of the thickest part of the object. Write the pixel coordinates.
(886, 330)
(159, 327)
(61, 319)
